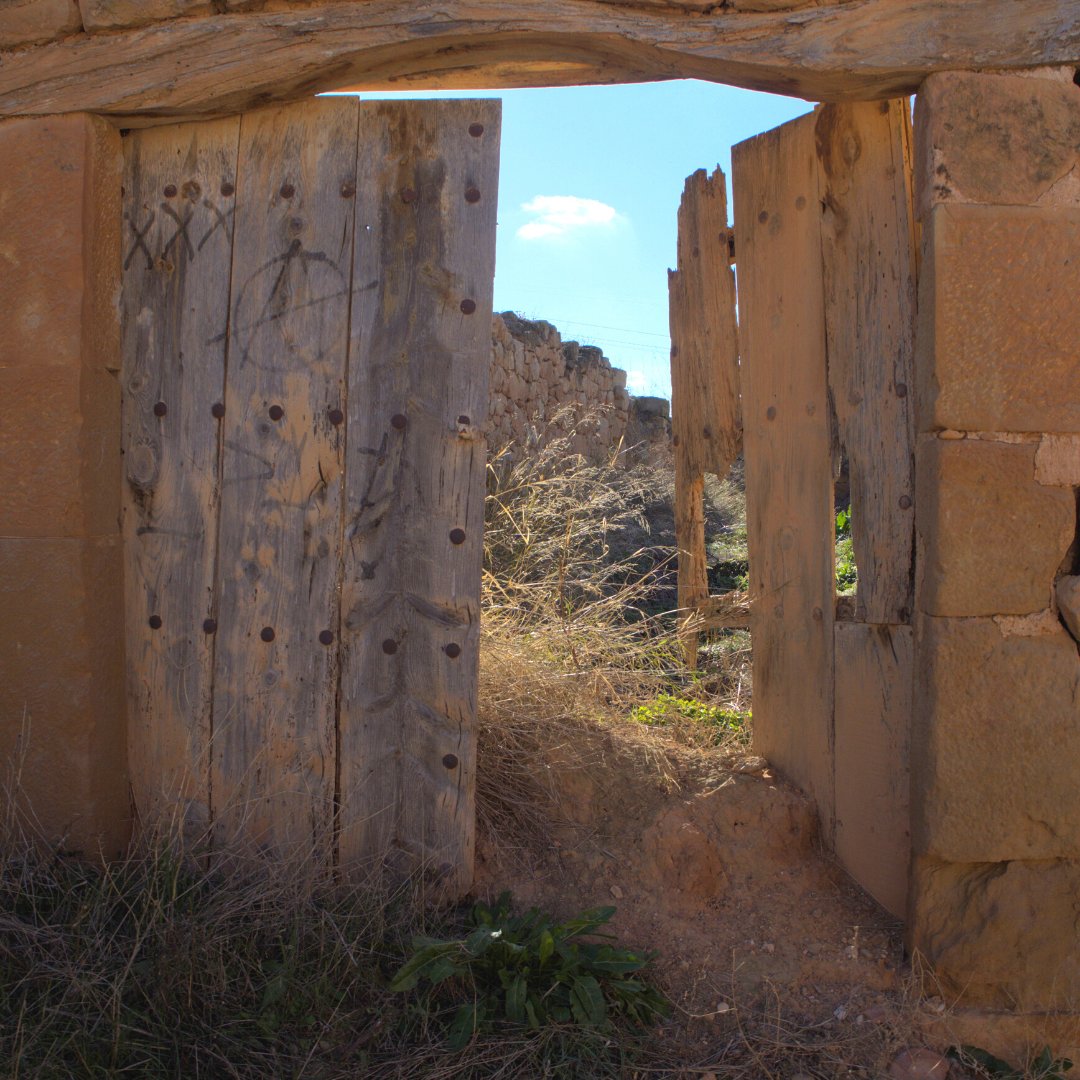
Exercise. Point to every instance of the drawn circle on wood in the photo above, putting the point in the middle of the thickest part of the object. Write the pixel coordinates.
(155, 622)
(457, 536)
(209, 626)
(468, 307)
(476, 130)
(453, 650)
(267, 633)
(450, 761)
(389, 646)
(326, 637)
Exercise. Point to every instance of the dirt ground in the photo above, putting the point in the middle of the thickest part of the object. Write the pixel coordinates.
(778, 964)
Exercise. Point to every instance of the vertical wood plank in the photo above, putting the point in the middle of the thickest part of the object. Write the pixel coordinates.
(873, 715)
(424, 267)
(178, 209)
(787, 446)
(868, 254)
(274, 757)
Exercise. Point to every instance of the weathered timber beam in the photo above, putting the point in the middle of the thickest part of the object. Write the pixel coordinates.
(202, 66)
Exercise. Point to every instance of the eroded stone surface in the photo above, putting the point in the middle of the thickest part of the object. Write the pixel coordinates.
(28, 22)
(1001, 139)
(1067, 590)
(1001, 934)
(998, 320)
(1057, 461)
(112, 14)
(992, 538)
(995, 743)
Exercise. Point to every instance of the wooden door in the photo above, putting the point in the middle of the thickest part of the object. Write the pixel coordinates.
(307, 307)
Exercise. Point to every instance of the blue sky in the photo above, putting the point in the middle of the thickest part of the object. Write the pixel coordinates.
(589, 189)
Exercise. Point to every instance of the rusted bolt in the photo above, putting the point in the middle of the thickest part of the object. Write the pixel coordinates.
(707, 432)
(476, 130)
(227, 189)
(453, 650)
(326, 637)
(457, 536)
(770, 413)
(763, 216)
(389, 646)
(276, 412)
(267, 633)
(155, 622)
(399, 421)
(336, 417)
(209, 626)
(905, 502)
(287, 191)
(901, 389)
(160, 408)
(674, 351)
(217, 410)
(468, 307)
(170, 191)
(348, 189)
(675, 440)
(450, 761)
(472, 195)
(408, 195)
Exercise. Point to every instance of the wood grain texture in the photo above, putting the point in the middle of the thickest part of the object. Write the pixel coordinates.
(424, 268)
(788, 453)
(830, 52)
(874, 667)
(274, 755)
(177, 259)
(868, 254)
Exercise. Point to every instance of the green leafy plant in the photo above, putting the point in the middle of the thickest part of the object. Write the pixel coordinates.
(531, 971)
(1043, 1067)
(669, 708)
(847, 574)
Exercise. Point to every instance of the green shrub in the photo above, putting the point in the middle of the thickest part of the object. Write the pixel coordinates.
(665, 709)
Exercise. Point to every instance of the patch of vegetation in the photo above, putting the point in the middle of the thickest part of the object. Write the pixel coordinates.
(669, 708)
(847, 574)
(529, 971)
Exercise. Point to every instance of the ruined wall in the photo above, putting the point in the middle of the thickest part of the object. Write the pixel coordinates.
(996, 731)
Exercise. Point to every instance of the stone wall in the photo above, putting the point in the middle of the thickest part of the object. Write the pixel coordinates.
(996, 729)
(543, 388)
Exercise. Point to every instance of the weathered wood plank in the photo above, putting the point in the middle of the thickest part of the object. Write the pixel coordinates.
(788, 452)
(428, 180)
(177, 260)
(692, 569)
(828, 52)
(874, 667)
(728, 611)
(868, 253)
(274, 756)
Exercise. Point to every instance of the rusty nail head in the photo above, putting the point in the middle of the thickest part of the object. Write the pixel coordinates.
(160, 408)
(408, 195)
(453, 650)
(326, 637)
(227, 189)
(155, 622)
(468, 307)
(389, 646)
(398, 421)
(457, 536)
(674, 351)
(217, 410)
(463, 419)
(675, 440)
(209, 626)
(450, 761)
(287, 191)
(267, 633)
(763, 216)
(336, 417)
(905, 502)
(348, 189)
(707, 432)
(472, 195)
(800, 203)
(170, 191)
(276, 412)
(476, 130)
(770, 412)
(696, 252)
(901, 389)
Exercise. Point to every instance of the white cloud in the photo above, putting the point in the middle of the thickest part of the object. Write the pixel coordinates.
(638, 382)
(558, 216)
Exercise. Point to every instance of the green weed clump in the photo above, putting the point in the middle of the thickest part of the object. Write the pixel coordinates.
(716, 724)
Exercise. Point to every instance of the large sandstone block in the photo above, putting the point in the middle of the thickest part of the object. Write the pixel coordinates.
(112, 14)
(1000, 139)
(28, 22)
(992, 537)
(62, 731)
(998, 320)
(995, 743)
(1000, 934)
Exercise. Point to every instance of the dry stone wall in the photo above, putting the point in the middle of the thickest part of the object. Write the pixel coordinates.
(544, 388)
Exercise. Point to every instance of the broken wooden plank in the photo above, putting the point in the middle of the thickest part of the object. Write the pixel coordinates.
(177, 235)
(788, 452)
(868, 253)
(874, 667)
(197, 67)
(273, 780)
(424, 268)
